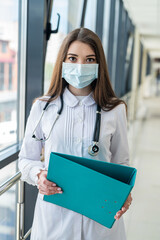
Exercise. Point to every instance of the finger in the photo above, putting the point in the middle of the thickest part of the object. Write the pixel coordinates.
(44, 181)
(49, 183)
(46, 193)
(49, 189)
(49, 192)
(127, 203)
(129, 200)
(46, 188)
(124, 209)
(126, 206)
(118, 214)
(42, 174)
(56, 189)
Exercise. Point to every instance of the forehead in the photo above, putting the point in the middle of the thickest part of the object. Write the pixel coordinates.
(80, 47)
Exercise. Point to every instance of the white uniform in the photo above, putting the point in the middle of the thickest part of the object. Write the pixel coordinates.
(72, 134)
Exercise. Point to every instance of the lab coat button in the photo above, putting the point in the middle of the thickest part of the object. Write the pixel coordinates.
(80, 103)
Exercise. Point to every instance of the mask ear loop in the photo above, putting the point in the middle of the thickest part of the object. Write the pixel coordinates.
(93, 149)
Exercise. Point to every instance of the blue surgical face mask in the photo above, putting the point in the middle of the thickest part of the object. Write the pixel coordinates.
(79, 75)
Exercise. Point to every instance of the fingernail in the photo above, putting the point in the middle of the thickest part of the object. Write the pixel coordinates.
(53, 184)
(58, 189)
(60, 192)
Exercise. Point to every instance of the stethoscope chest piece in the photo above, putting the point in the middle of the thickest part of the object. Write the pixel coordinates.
(93, 149)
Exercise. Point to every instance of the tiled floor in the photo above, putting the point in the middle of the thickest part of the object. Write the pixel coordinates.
(143, 219)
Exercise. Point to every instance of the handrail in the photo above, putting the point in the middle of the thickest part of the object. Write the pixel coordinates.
(27, 234)
(20, 204)
(9, 183)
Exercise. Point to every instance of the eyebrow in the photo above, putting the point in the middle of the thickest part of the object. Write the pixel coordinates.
(72, 54)
(91, 55)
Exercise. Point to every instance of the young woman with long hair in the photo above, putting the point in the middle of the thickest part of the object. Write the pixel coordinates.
(80, 82)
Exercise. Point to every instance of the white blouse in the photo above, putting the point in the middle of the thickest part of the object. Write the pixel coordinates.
(72, 134)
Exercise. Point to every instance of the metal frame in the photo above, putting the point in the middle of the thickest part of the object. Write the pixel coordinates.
(148, 66)
(128, 64)
(130, 67)
(126, 55)
(99, 18)
(140, 64)
(117, 74)
(83, 13)
(111, 39)
(123, 52)
(22, 69)
(9, 155)
(115, 42)
(35, 55)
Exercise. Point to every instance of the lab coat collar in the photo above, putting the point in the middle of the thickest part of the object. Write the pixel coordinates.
(71, 100)
(56, 101)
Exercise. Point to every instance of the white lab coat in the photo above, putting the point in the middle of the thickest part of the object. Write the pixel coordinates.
(72, 134)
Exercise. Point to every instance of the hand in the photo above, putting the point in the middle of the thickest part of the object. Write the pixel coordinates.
(46, 187)
(124, 208)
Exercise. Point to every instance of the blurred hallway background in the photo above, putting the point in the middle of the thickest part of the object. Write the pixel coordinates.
(142, 219)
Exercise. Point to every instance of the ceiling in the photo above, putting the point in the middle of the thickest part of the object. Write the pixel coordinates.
(145, 14)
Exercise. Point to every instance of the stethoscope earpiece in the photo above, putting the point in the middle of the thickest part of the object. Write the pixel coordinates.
(93, 149)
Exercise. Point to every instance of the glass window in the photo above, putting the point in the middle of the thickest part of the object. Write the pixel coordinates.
(8, 205)
(4, 47)
(90, 16)
(74, 14)
(1, 76)
(106, 23)
(8, 72)
(10, 77)
(70, 17)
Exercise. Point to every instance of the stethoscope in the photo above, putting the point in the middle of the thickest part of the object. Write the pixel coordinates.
(93, 149)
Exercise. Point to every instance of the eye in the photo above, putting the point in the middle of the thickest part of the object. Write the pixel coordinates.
(72, 59)
(90, 60)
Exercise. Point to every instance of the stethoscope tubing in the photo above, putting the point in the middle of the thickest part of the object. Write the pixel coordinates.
(97, 125)
(96, 134)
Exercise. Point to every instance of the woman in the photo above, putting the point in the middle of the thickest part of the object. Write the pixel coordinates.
(81, 77)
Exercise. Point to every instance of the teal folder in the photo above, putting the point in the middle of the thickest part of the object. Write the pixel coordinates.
(96, 189)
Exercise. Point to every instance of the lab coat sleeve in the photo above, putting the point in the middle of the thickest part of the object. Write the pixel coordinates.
(29, 161)
(119, 142)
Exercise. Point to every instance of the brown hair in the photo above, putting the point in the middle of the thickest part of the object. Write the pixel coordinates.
(102, 89)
